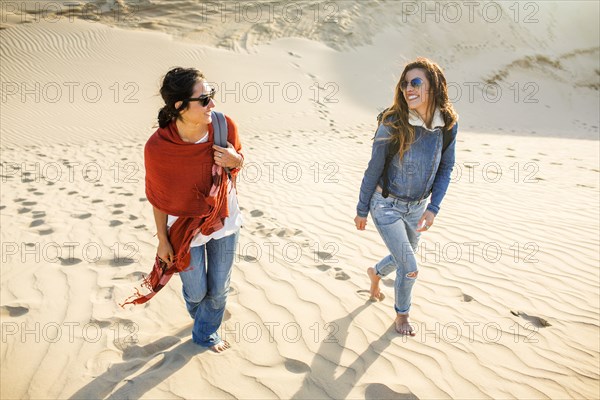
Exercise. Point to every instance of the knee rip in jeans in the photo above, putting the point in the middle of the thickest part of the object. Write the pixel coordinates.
(412, 275)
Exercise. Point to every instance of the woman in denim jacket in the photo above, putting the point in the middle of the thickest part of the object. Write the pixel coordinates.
(415, 125)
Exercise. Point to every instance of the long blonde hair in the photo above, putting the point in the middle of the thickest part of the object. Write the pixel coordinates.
(396, 117)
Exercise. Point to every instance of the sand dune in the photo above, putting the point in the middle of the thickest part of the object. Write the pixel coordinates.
(507, 300)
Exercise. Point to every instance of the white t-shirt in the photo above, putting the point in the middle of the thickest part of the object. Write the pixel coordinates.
(231, 224)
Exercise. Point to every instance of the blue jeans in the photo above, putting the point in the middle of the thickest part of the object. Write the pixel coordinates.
(206, 285)
(396, 220)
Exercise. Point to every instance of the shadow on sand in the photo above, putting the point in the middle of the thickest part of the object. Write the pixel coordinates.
(134, 359)
(320, 382)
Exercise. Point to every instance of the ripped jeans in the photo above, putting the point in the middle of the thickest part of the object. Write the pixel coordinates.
(396, 220)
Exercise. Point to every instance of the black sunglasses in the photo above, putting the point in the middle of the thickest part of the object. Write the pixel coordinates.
(205, 98)
(415, 83)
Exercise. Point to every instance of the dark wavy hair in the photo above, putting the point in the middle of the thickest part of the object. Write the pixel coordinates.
(177, 85)
(396, 117)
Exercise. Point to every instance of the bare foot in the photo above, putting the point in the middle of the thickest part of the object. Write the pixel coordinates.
(403, 325)
(221, 346)
(376, 294)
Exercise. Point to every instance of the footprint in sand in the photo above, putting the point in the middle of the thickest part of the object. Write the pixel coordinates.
(81, 216)
(2, 207)
(121, 261)
(104, 294)
(139, 226)
(248, 258)
(114, 222)
(13, 311)
(36, 222)
(341, 275)
(467, 298)
(323, 267)
(132, 277)
(535, 321)
(23, 210)
(29, 203)
(296, 366)
(117, 212)
(323, 255)
(285, 232)
(72, 192)
(69, 261)
(366, 295)
(45, 232)
(256, 213)
(97, 201)
(132, 217)
(127, 329)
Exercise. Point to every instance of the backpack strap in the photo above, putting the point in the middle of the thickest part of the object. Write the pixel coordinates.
(220, 128)
(447, 138)
(220, 132)
(391, 151)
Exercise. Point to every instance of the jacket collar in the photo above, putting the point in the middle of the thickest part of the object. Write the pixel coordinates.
(415, 120)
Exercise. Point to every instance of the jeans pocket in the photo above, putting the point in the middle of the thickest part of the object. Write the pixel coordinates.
(383, 211)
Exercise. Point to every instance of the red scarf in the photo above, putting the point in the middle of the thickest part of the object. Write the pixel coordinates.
(182, 180)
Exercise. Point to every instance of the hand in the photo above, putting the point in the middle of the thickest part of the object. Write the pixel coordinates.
(227, 157)
(361, 222)
(165, 251)
(426, 221)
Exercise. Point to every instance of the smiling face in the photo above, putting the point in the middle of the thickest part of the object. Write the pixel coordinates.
(195, 113)
(417, 98)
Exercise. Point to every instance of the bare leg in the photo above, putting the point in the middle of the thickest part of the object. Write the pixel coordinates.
(376, 294)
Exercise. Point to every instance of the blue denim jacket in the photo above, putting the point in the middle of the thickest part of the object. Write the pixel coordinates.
(423, 171)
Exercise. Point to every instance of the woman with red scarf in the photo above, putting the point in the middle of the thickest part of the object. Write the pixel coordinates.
(194, 202)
